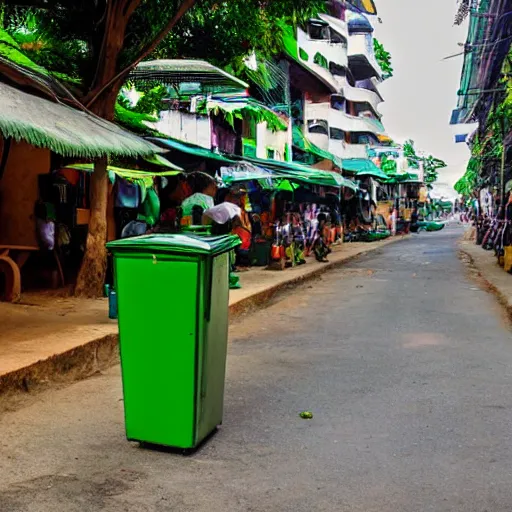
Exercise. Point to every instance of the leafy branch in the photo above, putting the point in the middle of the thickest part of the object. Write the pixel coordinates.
(383, 59)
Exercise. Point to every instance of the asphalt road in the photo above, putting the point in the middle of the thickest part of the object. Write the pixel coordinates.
(405, 362)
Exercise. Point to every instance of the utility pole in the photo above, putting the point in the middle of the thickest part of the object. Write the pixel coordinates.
(502, 167)
(502, 174)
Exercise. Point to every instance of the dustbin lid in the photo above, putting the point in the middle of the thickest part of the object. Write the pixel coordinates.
(176, 244)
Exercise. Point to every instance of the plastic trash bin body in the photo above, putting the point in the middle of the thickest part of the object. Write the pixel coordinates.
(173, 294)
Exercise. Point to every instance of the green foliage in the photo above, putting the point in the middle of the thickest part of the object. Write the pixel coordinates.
(498, 125)
(34, 32)
(383, 59)
(388, 165)
(67, 37)
(250, 112)
(133, 121)
(468, 183)
(321, 60)
(11, 50)
(151, 101)
(431, 164)
(224, 33)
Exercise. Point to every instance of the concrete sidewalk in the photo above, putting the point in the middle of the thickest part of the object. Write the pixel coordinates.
(485, 264)
(47, 338)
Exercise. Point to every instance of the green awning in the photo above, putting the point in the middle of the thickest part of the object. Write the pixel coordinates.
(190, 149)
(409, 178)
(404, 178)
(376, 174)
(304, 174)
(162, 162)
(125, 173)
(245, 171)
(304, 144)
(364, 167)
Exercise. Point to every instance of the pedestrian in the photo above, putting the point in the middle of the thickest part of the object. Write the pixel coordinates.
(204, 191)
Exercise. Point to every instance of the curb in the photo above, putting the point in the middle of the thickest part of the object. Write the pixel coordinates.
(502, 298)
(75, 364)
(98, 355)
(259, 299)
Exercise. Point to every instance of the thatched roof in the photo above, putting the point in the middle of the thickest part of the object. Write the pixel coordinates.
(63, 129)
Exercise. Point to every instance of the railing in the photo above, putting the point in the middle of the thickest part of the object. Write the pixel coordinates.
(360, 95)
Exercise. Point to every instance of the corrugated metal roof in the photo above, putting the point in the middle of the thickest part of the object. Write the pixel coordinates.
(173, 72)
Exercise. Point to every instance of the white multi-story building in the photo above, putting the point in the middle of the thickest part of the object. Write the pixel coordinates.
(344, 119)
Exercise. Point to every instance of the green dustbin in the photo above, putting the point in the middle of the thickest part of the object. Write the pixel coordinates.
(173, 293)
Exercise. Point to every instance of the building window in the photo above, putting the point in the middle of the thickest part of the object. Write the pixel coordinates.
(318, 126)
(318, 30)
(338, 103)
(364, 110)
(363, 138)
(337, 70)
(337, 134)
(249, 129)
(337, 38)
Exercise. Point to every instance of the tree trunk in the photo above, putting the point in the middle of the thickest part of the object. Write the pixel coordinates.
(91, 277)
(94, 265)
(103, 94)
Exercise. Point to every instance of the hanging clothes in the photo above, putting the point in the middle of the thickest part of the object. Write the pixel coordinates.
(128, 194)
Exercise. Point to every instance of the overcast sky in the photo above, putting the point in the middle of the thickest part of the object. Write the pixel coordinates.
(420, 96)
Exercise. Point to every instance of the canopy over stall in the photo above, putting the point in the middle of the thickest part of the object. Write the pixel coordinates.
(63, 129)
(175, 72)
(304, 173)
(189, 155)
(301, 142)
(363, 167)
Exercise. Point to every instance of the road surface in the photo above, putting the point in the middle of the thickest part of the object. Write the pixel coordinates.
(405, 362)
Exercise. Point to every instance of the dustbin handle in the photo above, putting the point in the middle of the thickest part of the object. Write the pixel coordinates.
(208, 277)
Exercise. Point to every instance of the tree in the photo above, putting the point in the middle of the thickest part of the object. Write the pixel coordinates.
(98, 43)
(468, 183)
(107, 39)
(224, 33)
(431, 164)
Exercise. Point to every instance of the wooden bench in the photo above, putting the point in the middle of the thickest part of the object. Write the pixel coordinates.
(12, 259)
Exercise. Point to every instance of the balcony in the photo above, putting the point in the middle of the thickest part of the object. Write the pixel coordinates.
(318, 133)
(336, 25)
(342, 121)
(361, 57)
(327, 127)
(361, 95)
(343, 150)
(324, 55)
(356, 151)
